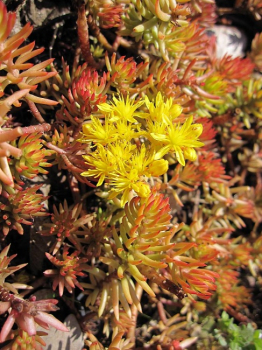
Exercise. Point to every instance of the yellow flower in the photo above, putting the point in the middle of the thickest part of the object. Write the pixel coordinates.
(180, 140)
(122, 150)
(123, 181)
(131, 174)
(121, 109)
(160, 111)
(140, 160)
(126, 131)
(145, 163)
(97, 132)
(154, 128)
(103, 163)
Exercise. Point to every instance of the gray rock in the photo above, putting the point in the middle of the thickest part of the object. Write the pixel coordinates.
(73, 340)
(231, 41)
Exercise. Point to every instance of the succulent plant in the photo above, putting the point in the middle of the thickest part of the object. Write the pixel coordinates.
(25, 313)
(151, 146)
(68, 267)
(28, 313)
(20, 208)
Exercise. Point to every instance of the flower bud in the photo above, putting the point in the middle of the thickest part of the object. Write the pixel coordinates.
(190, 154)
(158, 167)
(142, 189)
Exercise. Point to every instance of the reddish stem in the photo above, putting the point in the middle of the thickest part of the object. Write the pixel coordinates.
(100, 37)
(161, 312)
(36, 128)
(73, 184)
(237, 315)
(35, 111)
(83, 35)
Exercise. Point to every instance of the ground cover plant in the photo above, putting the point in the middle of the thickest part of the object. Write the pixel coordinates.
(130, 176)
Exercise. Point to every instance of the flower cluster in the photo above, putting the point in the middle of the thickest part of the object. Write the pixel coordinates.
(130, 146)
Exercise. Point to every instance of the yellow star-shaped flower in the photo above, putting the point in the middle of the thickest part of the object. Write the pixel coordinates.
(121, 109)
(179, 139)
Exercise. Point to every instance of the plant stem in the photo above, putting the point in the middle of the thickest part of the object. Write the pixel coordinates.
(131, 333)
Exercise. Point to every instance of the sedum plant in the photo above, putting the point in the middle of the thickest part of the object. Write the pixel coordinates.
(151, 148)
(236, 337)
(25, 313)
